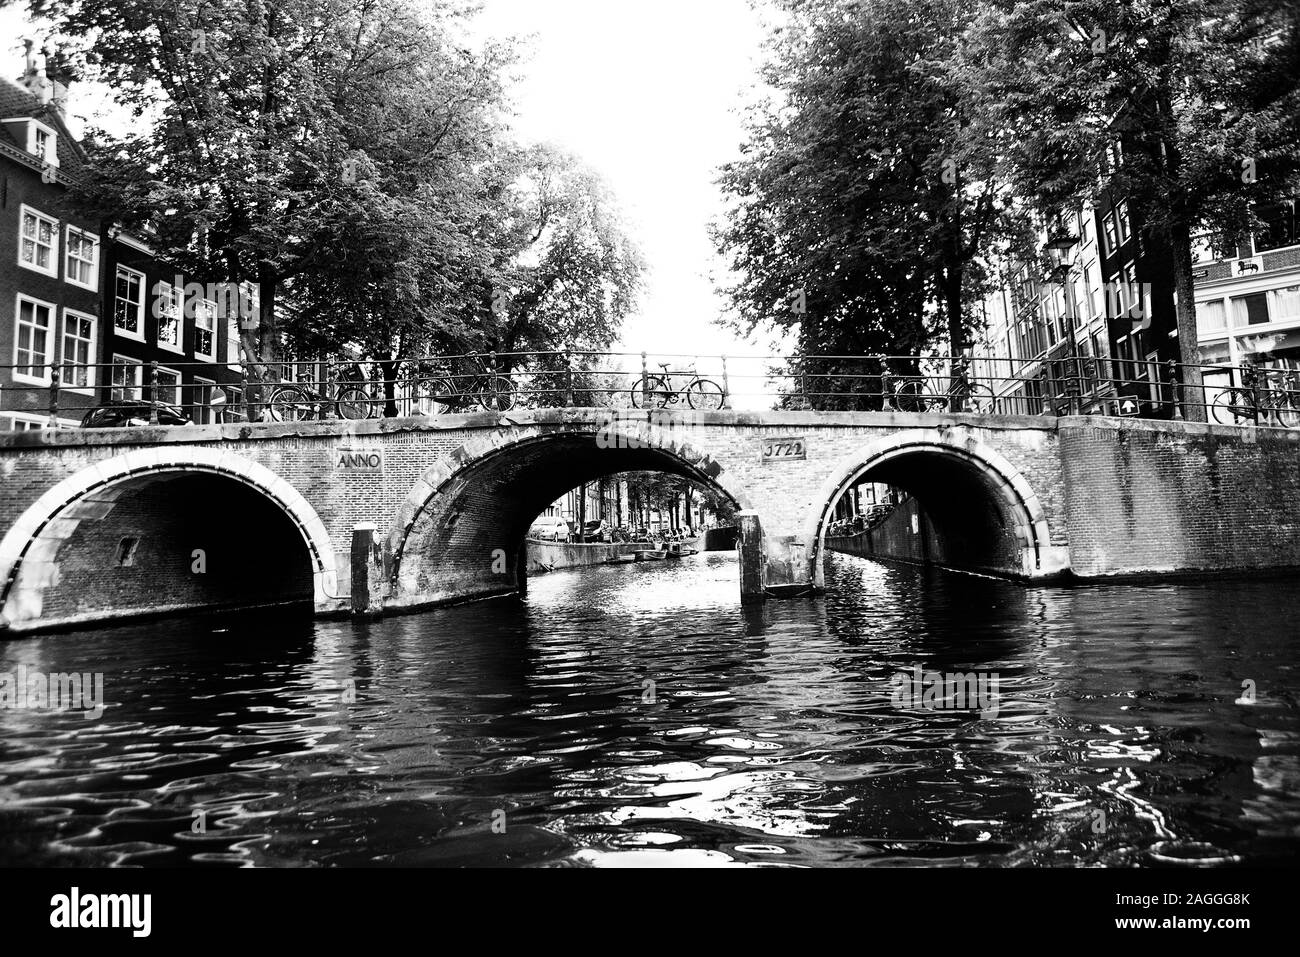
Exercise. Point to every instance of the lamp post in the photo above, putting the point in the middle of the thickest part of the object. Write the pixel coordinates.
(1059, 249)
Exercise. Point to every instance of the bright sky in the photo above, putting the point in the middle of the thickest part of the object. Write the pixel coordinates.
(649, 96)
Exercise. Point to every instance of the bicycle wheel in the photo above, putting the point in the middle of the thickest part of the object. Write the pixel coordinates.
(289, 403)
(1233, 407)
(651, 392)
(497, 393)
(704, 394)
(979, 399)
(910, 396)
(1282, 408)
(354, 402)
(437, 396)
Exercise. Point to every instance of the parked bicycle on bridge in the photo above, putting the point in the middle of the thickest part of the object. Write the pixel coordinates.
(445, 390)
(660, 391)
(939, 393)
(299, 402)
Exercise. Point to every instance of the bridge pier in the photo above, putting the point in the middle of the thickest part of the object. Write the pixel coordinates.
(368, 579)
(770, 565)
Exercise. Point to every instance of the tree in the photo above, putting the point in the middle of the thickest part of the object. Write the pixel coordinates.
(861, 210)
(324, 146)
(1204, 95)
(565, 271)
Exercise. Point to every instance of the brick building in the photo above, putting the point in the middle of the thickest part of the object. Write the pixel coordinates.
(86, 298)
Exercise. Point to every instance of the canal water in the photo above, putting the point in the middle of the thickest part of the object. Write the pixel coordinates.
(630, 715)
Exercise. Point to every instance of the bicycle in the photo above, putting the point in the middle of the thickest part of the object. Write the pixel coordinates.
(295, 402)
(919, 393)
(449, 392)
(1279, 403)
(659, 392)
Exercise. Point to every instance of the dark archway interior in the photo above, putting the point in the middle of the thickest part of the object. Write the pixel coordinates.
(959, 516)
(470, 537)
(176, 541)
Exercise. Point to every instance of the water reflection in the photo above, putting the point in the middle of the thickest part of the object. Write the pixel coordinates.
(638, 714)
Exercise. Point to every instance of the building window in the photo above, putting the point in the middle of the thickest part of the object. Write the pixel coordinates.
(201, 394)
(1110, 234)
(169, 386)
(1211, 316)
(1285, 304)
(78, 350)
(128, 304)
(33, 335)
(167, 310)
(38, 242)
(205, 329)
(1250, 310)
(126, 377)
(1121, 221)
(82, 266)
(232, 342)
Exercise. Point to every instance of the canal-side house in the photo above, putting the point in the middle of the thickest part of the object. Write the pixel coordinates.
(88, 300)
(50, 283)
(1094, 331)
(1248, 297)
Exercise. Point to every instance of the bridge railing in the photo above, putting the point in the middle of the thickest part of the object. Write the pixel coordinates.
(128, 392)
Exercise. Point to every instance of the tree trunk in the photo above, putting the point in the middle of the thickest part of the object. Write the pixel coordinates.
(1193, 388)
(389, 369)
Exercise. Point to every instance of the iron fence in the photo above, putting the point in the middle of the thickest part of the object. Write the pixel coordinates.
(64, 394)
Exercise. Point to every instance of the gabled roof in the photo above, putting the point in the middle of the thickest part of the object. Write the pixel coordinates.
(16, 100)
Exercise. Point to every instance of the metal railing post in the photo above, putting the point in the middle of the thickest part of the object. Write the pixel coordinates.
(153, 392)
(492, 375)
(1175, 389)
(568, 364)
(803, 382)
(645, 380)
(1257, 397)
(54, 397)
(886, 386)
(726, 384)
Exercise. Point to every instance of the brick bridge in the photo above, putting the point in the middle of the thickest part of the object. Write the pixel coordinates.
(403, 513)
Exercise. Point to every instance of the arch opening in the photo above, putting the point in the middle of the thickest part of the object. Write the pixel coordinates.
(464, 526)
(124, 540)
(952, 507)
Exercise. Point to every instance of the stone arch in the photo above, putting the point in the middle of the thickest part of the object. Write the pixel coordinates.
(1005, 486)
(29, 549)
(489, 458)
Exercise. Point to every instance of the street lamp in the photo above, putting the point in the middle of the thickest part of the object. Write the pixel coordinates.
(1059, 249)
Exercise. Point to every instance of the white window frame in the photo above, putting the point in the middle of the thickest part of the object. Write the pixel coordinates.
(138, 335)
(176, 314)
(175, 399)
(51, 340)
(203, 413)
(51, 154)
(129, 363)
(68, 230)
(91, 344)
(23, 212)
(233, 351)
(210, 308)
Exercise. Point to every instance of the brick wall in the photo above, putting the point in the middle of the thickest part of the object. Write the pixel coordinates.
(1178, 498)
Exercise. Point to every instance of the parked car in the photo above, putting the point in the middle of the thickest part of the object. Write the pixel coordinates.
(129, 413)
(597, 531)
(549, 528)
